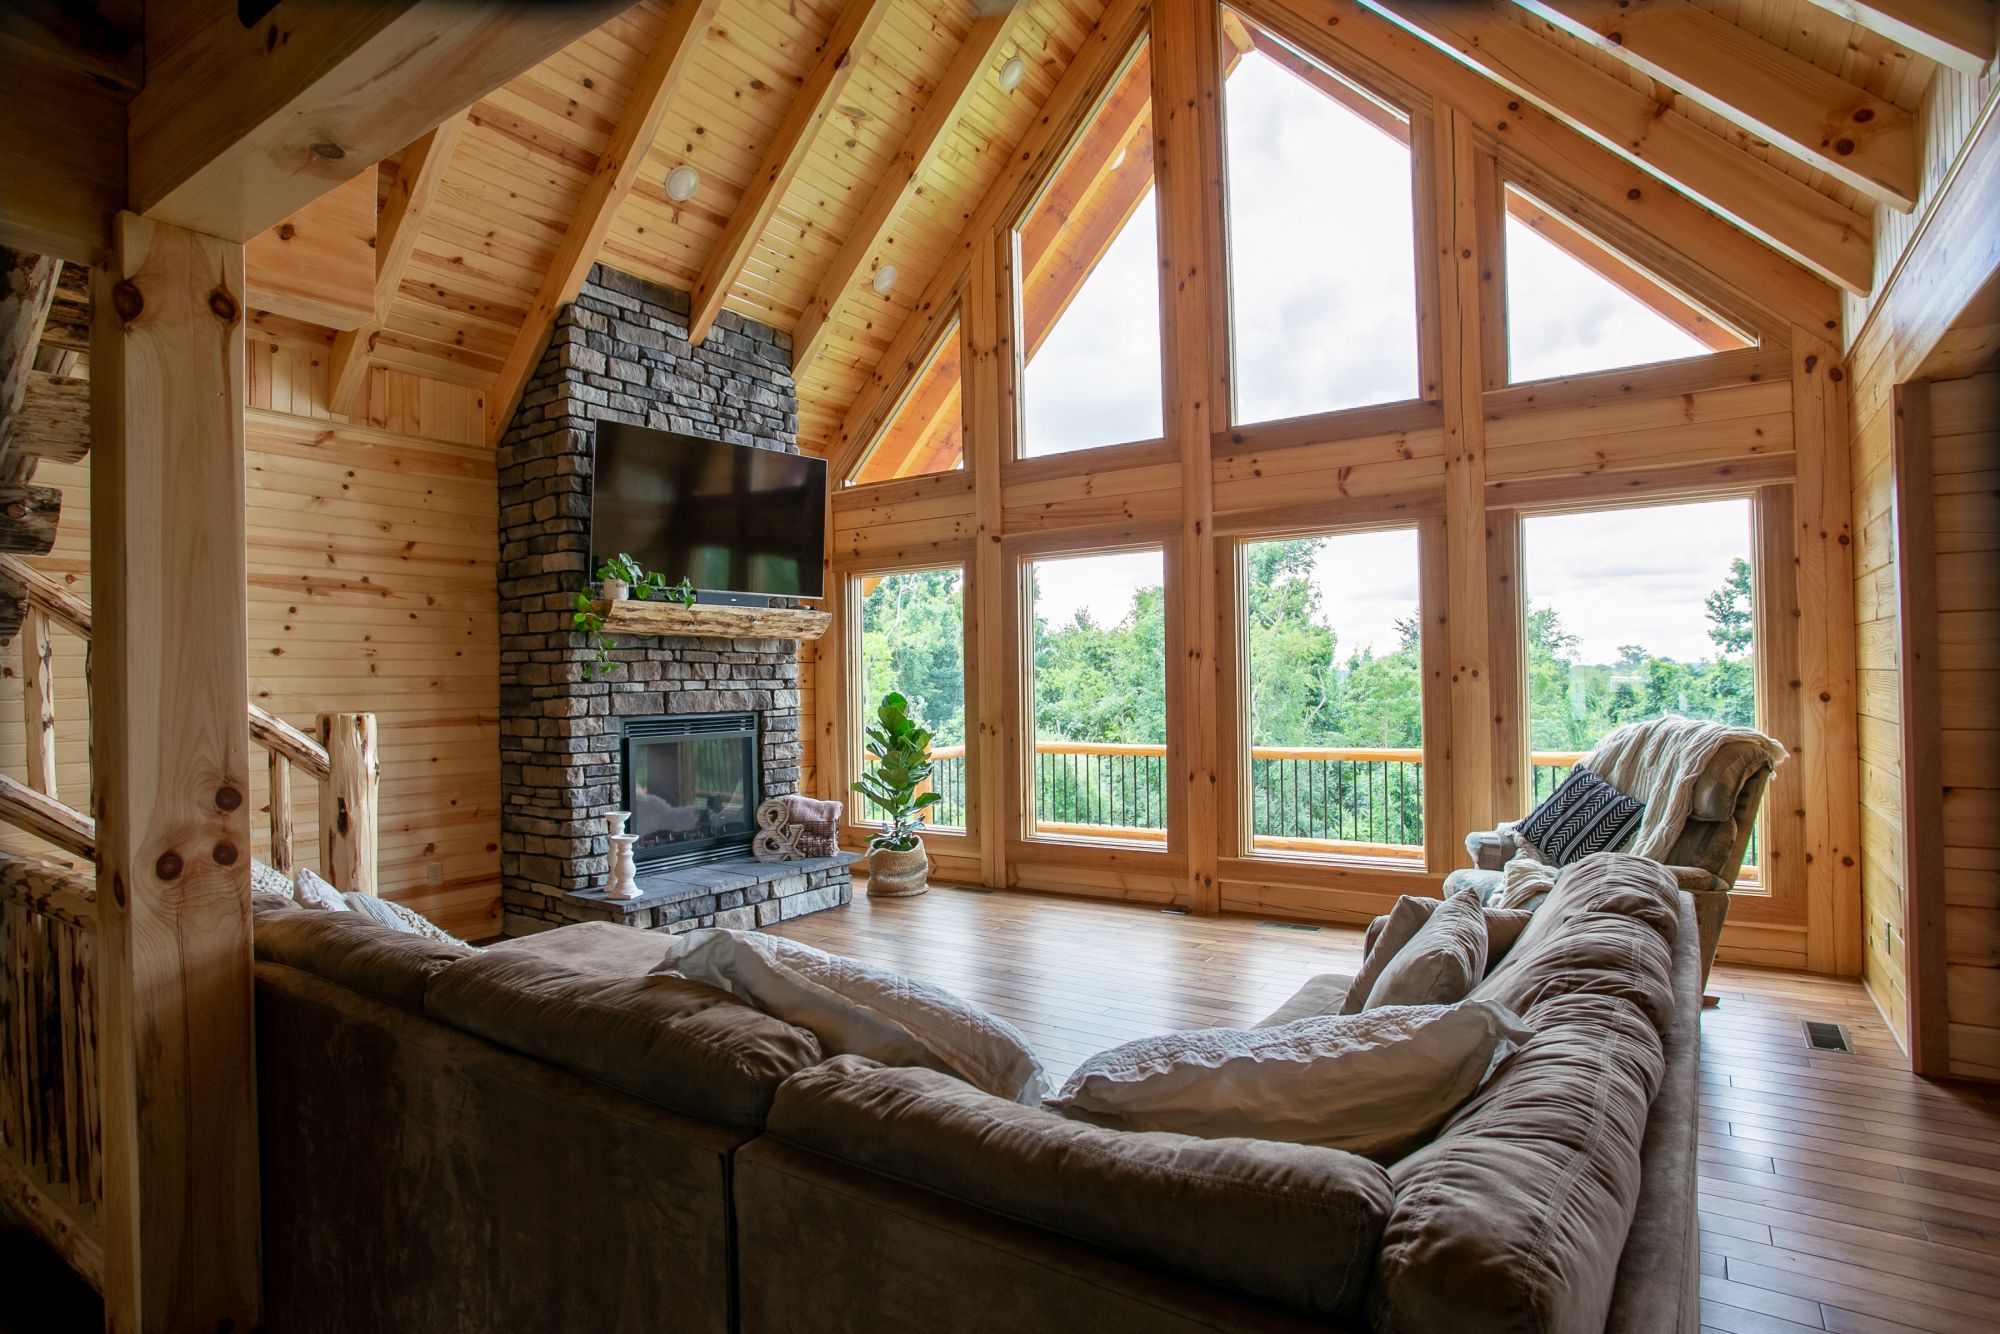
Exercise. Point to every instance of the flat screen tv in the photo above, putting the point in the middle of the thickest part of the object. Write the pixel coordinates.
(734, 520)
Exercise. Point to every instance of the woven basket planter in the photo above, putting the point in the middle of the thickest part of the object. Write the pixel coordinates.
(898, 875)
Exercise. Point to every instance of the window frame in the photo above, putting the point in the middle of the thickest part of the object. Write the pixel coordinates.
(952, 324)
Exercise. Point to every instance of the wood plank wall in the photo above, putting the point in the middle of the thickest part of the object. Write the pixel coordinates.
(1965, 481)
(1768, 423)
(371, 555)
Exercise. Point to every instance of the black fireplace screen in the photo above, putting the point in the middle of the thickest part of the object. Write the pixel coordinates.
(692, 784)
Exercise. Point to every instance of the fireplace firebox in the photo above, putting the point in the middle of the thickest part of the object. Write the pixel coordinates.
(692, 783)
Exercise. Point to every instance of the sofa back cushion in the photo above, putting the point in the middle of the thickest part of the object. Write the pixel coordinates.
(352, 950)
(1290, 1223)
(1442, 963)
(687, 1047)
(1515, 1216)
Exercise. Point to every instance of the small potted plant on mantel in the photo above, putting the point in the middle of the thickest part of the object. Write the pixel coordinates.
(898, 866)
(619, 579)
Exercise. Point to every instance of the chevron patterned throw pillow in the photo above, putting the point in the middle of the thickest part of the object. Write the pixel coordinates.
(1584, 815)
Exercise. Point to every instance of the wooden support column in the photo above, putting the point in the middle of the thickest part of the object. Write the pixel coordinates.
(38, 701)
(1828, 727)
(169, 695)
(1454, 165)
(989, 358)
(349, 802)
(280, 789)
(1187, 121)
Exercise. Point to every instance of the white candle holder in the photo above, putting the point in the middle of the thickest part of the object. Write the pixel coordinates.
(624, 883)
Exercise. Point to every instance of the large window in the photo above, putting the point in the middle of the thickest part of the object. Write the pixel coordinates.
(1575, 305)
(913, 643)
(1322, 253)
(926, 433)
(1089, 262)
(1336, 762)
(1099, 764)
(1633, 614)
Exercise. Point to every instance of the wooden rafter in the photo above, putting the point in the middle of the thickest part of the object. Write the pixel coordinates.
(1846, 131)
(1958, 33)
(617, 170)
(942, 108)
(238, 127)
(839, 55)
(1820, 232)
(401, 223)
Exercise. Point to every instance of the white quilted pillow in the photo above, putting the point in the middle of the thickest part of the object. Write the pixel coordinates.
(1371, 1083)
(313, 892)
(857, 1009)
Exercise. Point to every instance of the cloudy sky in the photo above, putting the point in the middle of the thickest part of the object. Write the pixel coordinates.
(1323, 297)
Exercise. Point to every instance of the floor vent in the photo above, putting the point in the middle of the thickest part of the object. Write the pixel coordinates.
(962, 889)
(1175, 912)
(1826, 1037)
(1288, 926)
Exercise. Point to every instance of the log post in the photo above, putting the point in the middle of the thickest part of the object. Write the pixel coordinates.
(348, 809)
(38, 700)
(281, 812)
(171, 783)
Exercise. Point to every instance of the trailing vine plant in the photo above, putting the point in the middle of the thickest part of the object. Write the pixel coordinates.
(645, 587)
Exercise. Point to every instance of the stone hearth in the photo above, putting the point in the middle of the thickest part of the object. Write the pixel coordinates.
(620, 353)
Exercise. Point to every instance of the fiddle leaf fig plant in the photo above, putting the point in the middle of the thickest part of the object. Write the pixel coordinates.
(590, 620)
(901, 750)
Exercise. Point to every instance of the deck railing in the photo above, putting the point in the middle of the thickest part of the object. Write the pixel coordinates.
(1357, 800)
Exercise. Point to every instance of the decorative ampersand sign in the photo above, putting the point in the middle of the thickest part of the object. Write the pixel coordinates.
(776, 841)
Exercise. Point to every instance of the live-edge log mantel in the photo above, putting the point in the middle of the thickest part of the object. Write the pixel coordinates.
(169, 691)
(711, 621)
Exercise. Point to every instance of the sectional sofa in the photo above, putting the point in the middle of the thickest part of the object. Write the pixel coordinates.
(541, 1137)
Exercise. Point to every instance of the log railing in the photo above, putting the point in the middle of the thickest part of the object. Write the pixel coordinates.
(51, 1173)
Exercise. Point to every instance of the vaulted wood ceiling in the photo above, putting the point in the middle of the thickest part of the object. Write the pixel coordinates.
(836, 138)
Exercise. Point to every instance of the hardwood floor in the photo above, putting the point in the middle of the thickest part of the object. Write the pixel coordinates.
(1838, 1192)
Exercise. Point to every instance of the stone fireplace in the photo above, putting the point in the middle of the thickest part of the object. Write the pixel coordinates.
(689, 732)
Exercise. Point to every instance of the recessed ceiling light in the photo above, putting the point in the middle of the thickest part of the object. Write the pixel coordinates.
(1012, 73)
(682, 182)
(885, 278)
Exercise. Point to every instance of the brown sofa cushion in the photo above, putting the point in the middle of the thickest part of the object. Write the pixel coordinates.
(1442, 963)
(1388, 934)
(355, 952)
(1514, 1218)
(676, 1043)
(601, 948)
(1295, 1224)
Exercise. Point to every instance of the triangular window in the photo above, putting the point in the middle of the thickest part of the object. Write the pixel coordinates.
(1575, 305)
(1089, 263)
(926, 433)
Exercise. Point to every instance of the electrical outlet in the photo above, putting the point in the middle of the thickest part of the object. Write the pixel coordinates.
(434, 873)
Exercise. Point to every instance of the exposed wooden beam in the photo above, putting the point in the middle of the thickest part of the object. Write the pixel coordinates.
(610, 182)
(1867, 141)
(1670, 234)
(1958, 33)
(839, 55)
(62, 156)
(27, 287)
(238, 127)
(402, 221)
(168, 694)
(942, 107)
(54, 419)
(1821, 233)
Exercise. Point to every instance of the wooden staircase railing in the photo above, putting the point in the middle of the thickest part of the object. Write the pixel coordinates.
(51, 1132)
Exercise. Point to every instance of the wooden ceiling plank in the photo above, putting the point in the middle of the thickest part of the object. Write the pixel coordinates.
(617, 170)
(1827, 237)
(1867, 141)
(1958, 33)
(416, 189)
(839, 55)
(324, 90)
(942, 109)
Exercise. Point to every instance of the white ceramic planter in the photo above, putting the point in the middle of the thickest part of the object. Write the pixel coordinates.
(616, 590)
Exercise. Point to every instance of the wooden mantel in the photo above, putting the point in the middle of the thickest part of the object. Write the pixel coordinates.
(708, 621)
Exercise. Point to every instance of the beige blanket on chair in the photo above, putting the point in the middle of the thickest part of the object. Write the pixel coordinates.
(1660, 761)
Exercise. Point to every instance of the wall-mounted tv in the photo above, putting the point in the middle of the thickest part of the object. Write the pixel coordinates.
(732, 519)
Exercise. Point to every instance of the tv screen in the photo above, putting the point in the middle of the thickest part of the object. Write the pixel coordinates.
(728, 518)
